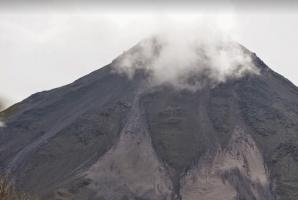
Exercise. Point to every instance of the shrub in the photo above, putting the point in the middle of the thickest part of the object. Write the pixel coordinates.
(8, 192)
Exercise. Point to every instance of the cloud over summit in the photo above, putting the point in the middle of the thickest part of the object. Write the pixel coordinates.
(183, 54)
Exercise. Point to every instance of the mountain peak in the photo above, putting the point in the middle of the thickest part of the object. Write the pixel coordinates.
(145, 127)
(184, 64)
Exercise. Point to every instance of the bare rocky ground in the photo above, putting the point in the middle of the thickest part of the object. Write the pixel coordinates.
(110, 137)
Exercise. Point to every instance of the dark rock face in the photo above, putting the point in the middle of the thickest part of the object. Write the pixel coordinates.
(107, 136)
(175, 126)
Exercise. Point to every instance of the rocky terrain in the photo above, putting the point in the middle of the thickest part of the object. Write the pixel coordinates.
(108, 136)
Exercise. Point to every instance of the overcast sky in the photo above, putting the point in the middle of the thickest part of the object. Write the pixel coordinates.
(42, 49)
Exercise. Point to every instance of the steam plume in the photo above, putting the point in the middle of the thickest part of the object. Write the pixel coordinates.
(182, 51)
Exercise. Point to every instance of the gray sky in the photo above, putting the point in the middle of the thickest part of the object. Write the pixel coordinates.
(47, 48)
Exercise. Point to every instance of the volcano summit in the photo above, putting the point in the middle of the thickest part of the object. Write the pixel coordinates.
(150, 126)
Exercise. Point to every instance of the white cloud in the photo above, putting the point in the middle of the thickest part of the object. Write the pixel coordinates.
(2, 124)
(190, 45)
(43, 51)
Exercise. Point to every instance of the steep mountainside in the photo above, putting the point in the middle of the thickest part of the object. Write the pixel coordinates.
(108, 136)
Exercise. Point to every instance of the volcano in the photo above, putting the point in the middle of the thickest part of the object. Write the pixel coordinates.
(109, 136)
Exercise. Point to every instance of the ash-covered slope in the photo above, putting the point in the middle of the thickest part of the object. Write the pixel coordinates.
(114, 137)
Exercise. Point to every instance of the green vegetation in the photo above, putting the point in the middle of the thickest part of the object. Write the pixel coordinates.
(8, 192)
(8, 112)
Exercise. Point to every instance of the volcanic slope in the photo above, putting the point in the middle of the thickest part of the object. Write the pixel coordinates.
(109, 136)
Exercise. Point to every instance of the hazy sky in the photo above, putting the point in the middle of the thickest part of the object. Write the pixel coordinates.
(45, 48)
